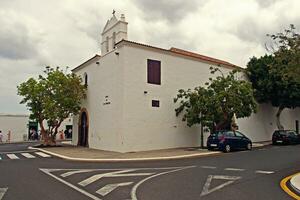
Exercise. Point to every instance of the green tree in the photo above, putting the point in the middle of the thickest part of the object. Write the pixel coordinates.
(215, 105)
(276, 77)
(52, 98)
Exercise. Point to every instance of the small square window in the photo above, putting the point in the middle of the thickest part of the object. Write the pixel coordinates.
(155, 103)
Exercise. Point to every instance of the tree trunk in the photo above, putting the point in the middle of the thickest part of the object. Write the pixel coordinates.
(279, 125)
(224, 124)
(47, 140)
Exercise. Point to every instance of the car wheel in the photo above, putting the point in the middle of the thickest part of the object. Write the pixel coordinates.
(274, 142)
(227, 148)
(249, 146)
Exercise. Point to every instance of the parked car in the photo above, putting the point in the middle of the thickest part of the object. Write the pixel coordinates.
(285, 137)
(228, 140)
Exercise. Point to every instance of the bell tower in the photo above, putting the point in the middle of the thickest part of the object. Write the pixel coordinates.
(114, 31)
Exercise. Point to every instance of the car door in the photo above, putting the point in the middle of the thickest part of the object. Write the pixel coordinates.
(242, 141)
(231, 139)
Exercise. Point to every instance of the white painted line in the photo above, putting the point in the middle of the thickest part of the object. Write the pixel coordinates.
(12, 156)
(27, 155)
(234, 169)
(206, 190)
(208, 167)
(264, 172)
(127, 175)
(124, 159)
(111, 174)
(2, 192)
(76, 172)
(110, 187)
(42, 154)
(134, 189)
(70, 185)
(262, 149)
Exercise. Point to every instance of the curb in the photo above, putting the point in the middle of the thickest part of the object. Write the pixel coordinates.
(295, 182)
(126, 159)
(289, 188)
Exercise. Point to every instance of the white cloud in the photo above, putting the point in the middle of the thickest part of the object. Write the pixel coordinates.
(37, 33)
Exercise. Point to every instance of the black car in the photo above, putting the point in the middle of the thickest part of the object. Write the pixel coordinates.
(228, 140)
(285, 137)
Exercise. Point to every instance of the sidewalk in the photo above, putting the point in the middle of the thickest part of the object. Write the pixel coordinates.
(295, 183)
(76, 153)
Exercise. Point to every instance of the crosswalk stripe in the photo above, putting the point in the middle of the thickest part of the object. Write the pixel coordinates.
(42, 154)
(27, 155)
(263, 172)
(12, 156)
(208, 167)
(234, 169)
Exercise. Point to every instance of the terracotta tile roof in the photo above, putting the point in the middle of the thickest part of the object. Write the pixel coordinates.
(202, 57)
(188, 54)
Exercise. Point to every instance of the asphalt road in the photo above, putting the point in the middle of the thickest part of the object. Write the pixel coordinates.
(240, 175)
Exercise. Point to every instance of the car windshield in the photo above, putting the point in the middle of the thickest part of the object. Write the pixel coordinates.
(239, 134)
(292, 133)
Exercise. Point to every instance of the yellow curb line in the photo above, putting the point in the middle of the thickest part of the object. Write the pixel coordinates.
(286, 189)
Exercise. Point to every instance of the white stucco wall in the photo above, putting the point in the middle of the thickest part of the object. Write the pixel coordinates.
(130, 123)
(260, 126)
(147, 127)
(17, 124)
(105, 84)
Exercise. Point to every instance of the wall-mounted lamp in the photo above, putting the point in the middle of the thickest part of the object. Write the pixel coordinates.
(145, 92)
(97, 63)
(117, 53)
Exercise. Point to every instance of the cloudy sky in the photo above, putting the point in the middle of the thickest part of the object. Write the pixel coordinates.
(37, 33)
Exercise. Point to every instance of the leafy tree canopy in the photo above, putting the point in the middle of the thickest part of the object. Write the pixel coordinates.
(223, 97)
(276, 77)
(52, 98)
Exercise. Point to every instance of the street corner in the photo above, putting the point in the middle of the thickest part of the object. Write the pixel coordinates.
(291, 185)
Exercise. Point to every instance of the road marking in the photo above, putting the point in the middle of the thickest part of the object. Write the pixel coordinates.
(234, 169)
(264, 172)
(208, 167)
(111, 174)
(229, 180)
(76, 172)
(27, 155)
(110, 187)
(2, 192)
(42, 154)
(286, 189)
(262, 149)
(134, 189)
(46, 171)
(12, 156)
(6, 152)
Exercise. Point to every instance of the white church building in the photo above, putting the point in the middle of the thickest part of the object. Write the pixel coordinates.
(130, 91)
